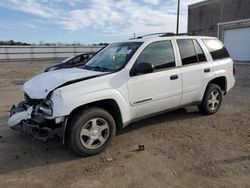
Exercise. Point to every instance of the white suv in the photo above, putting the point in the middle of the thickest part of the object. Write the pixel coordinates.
(123, 83)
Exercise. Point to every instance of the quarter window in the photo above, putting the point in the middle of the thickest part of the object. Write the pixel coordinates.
(216, 49)
(160, 54)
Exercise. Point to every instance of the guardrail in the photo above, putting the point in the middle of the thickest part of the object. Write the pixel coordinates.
(12, 53)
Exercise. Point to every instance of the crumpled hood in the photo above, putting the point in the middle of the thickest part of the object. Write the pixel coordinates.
(40, 86)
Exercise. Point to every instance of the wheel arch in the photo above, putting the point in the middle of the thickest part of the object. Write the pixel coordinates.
(220, 81)
(110, 105)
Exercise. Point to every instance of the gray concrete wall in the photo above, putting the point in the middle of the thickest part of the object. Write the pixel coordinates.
(203, 17)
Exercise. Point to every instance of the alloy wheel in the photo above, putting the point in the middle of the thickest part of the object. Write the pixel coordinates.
(94, 133)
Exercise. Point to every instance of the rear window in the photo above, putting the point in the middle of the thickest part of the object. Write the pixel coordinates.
(216, 49)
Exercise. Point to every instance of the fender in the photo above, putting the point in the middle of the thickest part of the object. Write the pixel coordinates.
(64, 109)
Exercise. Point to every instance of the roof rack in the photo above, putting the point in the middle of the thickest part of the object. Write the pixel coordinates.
(163, 34)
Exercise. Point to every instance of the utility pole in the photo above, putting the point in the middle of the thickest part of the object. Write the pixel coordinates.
(178, 14)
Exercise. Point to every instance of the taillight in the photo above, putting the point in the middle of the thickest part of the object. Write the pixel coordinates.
(234, 70)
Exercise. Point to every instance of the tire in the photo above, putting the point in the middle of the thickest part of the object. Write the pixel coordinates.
(90, 131)
(212, 100)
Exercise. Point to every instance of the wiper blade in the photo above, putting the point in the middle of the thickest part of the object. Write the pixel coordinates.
(85, 66)
(101, 69)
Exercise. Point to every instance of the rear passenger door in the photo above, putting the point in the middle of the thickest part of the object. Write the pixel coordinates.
(195, 70)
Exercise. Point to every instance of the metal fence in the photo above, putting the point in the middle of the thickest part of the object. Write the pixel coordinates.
(14, 53)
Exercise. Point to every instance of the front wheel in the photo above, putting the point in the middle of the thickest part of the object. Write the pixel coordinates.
(91, 131)
(212, 100)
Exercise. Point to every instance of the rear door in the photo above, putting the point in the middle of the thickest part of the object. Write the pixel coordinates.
(195, 70)
(159, 90)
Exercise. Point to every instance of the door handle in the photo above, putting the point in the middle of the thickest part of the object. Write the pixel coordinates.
(174, 77)
(207, 70)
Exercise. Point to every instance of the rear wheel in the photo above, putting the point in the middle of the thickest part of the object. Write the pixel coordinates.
(212, 100)
(91, 131)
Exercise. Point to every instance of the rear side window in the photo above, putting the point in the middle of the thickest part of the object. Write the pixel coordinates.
(187, 51)
(216, 49)
(160, 54)
(190, 51)
(199, 52)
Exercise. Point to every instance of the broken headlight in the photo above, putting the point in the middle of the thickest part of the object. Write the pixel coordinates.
(47, 107)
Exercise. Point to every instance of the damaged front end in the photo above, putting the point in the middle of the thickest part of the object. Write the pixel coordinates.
(32, 118)
(43, 114)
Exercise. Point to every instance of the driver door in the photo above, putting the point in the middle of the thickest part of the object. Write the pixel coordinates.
(160, 90)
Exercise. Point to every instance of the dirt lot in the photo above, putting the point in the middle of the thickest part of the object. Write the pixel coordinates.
(182, 148)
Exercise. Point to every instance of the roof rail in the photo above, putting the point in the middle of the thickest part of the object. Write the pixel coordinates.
(174, 34)
(147, 35)
(163, 34)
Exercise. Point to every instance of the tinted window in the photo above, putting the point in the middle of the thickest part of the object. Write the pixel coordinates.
(216, 48)
(199, 52)
(187, 51)
(160, 54)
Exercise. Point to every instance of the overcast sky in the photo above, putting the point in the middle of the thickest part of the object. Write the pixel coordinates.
(87, 21)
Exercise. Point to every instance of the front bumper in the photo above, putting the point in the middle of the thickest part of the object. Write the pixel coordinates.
(23, 118)
(16, 116)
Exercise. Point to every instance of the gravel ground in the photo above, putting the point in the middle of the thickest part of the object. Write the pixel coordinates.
(182, 148)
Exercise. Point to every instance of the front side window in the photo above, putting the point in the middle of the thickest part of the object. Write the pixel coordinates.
(216, 49)
(113, 57)
(160, 54)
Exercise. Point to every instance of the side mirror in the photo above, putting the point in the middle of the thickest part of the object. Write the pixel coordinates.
(143, 68)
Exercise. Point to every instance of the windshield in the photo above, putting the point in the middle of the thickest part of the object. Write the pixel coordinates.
(113, 57)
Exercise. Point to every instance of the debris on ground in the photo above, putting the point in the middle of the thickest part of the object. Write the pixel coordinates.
(141, 147)
(109, 159)
(174, 173)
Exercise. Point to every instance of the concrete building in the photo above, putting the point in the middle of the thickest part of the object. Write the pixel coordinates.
(229, 20)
